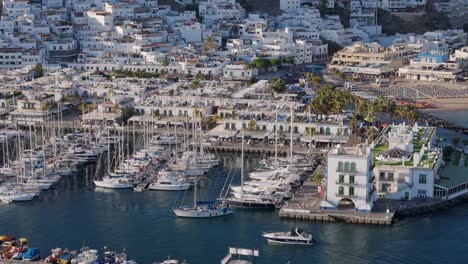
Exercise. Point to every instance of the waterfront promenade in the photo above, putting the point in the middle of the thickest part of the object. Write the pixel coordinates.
(306, 206)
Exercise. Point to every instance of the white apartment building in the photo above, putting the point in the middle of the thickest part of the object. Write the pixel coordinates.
(239, 72)
(286, 5)
(100, 20)
(434, 66)
(212, 10)
(406, 162)
(191, 32)
(349, 179)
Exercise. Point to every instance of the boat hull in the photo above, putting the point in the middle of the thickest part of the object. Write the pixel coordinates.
(274, 241)
(193, 213)
(250, 204)
(162, 187)
(113, 185)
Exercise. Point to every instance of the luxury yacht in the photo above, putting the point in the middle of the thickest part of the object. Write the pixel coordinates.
(294, 237)
(169, 181)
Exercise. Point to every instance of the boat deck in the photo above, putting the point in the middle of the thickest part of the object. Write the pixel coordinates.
(148, 179)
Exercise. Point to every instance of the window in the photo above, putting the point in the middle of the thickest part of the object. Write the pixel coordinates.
(346, 166)
(340, 190)
(351, 191)
(341, 178)
(353, 166)
(390, 176)
(351, 178)
(422, 178)
(340, 166)
(382, 175)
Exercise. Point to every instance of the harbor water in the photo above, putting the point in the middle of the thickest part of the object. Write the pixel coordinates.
(143, 223)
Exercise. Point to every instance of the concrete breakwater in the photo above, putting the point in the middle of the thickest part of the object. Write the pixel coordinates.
(439, 122)
(435, 206)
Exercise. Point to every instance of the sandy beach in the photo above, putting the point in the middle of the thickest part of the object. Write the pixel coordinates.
(447, 104)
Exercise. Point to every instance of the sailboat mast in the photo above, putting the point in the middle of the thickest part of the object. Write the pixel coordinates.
(276, 136)
(175, 134)
(291, 144)
(242, 164)
(195, 194)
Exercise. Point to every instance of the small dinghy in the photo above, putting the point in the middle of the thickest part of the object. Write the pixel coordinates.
(294, 237)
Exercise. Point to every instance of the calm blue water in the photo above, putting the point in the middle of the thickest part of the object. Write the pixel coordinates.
(144, 225)
(459, 117)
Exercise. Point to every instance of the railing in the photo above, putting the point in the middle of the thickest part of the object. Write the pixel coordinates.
(347, 171)
(388, 179)
(345, 183)
(345, 195)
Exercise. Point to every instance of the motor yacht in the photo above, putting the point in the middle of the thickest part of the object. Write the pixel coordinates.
(169, 181)
(294, 237)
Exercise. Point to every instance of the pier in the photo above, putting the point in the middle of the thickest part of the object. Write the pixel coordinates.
(306, 206)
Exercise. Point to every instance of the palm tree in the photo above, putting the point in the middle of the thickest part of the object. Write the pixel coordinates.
(312, 79)
(370, 134)
(209, 45)
(455, 141)
(251, 125)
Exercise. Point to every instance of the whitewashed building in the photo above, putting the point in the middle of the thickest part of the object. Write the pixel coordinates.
(349, 178)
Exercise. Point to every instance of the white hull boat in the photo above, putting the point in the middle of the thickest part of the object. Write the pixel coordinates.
(202, 212)
(293, 237)
(114, 183)
(169, 187)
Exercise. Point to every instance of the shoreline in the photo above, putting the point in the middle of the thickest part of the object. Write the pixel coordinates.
(446, 104)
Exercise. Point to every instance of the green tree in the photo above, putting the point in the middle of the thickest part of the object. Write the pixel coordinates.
(260, 63)
(209, 45)
(312, 79)
(275, 62)
(127, 113)
(38, 70)
(289, 60)
(195, 84)
(277, 86)
(251, 125)
(455, 141)
(329, 100)
(252, 80)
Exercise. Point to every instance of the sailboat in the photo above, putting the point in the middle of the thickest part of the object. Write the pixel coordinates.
(202, 209)
(110, 182)
(261, 201)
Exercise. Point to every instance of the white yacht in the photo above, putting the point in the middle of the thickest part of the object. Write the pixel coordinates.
(294, 237)
(169, 181)
(15, 196)
(87, 256)
(115, 183)
(168, 140)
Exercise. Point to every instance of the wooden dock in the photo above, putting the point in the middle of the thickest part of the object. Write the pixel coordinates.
(347, 216)
(150, 177)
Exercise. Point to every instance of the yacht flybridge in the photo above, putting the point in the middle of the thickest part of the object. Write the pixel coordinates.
(294, 237)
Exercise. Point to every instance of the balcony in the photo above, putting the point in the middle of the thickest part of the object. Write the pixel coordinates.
(347, 170)
(345, 183)
(387, 179)
(344, 195)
